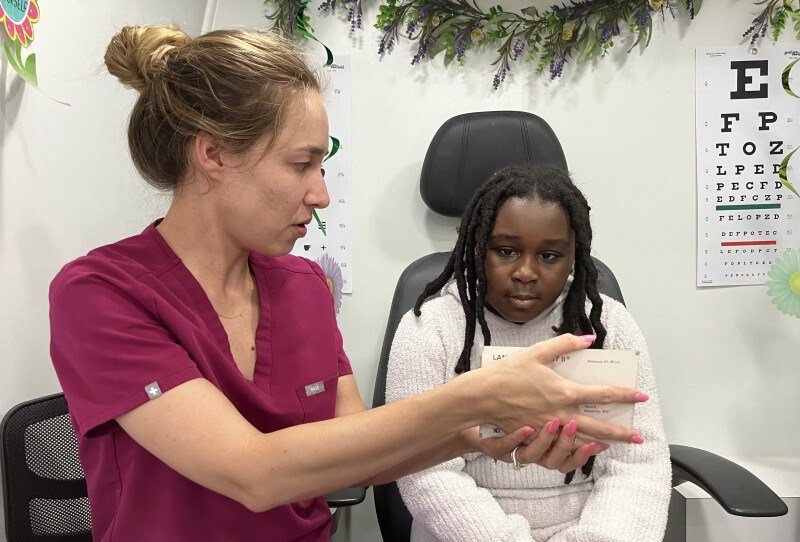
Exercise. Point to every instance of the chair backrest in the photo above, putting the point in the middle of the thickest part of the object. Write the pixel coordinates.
(44, 489)
(465, 151)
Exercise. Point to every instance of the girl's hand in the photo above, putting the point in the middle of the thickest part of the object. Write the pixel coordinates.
(559, 448)
(553, 447)
(498, 448)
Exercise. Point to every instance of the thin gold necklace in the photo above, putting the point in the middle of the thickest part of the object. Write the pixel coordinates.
(249, 300)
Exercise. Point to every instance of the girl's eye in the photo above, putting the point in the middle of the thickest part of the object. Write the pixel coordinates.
(550, 256)
(505, 252)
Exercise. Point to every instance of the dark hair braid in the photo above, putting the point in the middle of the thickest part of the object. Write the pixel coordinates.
(585, 276)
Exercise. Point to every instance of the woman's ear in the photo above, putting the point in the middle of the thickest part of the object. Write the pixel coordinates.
(207, 155)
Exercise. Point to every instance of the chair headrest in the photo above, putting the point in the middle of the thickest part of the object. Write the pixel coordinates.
(469, 148)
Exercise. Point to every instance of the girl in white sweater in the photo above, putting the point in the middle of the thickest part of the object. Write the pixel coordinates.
(520, 273)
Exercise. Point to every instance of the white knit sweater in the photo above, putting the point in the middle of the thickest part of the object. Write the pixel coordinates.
(472, 498)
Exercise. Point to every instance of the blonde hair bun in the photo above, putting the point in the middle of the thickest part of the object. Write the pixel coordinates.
(137, 53)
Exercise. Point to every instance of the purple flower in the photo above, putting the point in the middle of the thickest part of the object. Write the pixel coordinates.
(333, 278)
(499, 77)
(557, 66)
(517, 49)
(424, 43)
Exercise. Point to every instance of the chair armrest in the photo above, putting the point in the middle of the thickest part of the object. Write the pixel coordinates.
(348, 496)
(735, 488)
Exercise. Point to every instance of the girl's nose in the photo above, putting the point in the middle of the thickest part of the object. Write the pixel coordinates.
(527, 270)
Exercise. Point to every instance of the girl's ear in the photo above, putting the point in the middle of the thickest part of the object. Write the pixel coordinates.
(207, 154)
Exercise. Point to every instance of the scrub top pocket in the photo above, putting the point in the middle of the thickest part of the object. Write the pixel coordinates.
(318, 399)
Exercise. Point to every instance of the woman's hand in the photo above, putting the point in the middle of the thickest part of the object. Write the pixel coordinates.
(523, 391)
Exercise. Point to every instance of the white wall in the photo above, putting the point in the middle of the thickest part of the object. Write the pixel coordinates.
(725, 358)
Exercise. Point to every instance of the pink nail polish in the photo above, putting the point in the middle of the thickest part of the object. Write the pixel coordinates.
(571, 428)
(553, 425)
(589, 338)
(637, 439)
(528, 431)
(641, 397)
(590, 448)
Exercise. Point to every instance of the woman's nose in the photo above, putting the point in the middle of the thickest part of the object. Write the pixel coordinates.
(318, 196)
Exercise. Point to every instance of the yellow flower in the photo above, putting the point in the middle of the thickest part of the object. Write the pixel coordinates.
(656, 4)
(435, 21)
(566, 33)
(476, 34)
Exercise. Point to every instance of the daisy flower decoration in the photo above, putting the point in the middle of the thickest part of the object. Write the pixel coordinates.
(333, 277)
(784, 288)
(18, 17)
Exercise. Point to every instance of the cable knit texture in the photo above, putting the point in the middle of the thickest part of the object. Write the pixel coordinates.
(472, 498)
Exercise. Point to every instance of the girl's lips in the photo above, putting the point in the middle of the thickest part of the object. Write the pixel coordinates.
(522, 301)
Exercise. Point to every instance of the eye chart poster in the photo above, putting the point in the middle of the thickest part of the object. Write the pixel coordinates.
(329, 237)
(748, 127)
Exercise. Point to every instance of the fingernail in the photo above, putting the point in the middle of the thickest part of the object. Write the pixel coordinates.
(589, 338)
(590, 448)
(528, 431)
(571, 428)
(641, 397)
(637, 439)
(552, 426)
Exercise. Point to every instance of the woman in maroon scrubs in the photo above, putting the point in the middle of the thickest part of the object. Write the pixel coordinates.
(203, 366)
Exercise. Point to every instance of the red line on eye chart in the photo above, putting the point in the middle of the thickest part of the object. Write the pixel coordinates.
(747, 243)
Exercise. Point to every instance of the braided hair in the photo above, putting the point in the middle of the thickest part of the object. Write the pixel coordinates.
(466, 263)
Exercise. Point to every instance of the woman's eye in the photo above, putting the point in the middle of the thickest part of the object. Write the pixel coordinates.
(505, 252)
(302, 166)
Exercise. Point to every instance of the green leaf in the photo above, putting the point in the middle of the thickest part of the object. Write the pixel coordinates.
(590, 45)
(335, 145)
(26, 69)
(697, 5)
(782, 173)
(12, 60)
(785, 78)
(641, 34)
(30, 70)
(449, 56)
(436, 47)
(530, 11)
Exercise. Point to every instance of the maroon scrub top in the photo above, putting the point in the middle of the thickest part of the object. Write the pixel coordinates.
(129, 316)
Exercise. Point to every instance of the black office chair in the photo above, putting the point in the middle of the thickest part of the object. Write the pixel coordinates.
(465, 151)
(44, 488)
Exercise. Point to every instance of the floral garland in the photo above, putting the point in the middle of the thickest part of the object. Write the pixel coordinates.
(547, 38)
